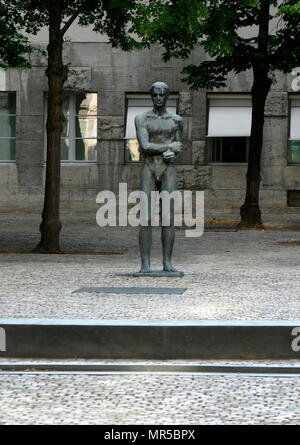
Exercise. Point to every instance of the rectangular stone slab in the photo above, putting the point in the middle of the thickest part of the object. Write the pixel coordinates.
(150, 339)
(132, 290)
(159, 273)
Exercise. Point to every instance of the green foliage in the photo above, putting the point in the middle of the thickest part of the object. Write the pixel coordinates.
(176, 24)
(113, 18)
(110, 17)
(292, 8)
(228, 32)
(13, 45)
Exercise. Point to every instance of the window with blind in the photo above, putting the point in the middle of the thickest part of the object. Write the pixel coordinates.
(294, 139)
(229, 128)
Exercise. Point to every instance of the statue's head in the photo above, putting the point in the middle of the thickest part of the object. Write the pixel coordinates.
(159, 93)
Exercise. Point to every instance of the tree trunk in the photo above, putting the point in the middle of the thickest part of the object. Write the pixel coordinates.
(250, 210)
(57, 74)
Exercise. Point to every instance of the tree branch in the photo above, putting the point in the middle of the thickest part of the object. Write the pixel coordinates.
(73, 18)
(48, 5)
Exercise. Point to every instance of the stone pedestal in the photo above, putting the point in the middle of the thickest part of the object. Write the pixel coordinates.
(159, 273)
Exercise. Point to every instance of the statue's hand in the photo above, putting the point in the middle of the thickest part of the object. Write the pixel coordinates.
(168, 155)
(176, 147)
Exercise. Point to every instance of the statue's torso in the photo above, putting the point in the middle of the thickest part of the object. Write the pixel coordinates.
(161, 130)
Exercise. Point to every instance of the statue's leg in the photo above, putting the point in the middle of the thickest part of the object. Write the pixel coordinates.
(145, 236)
(168, 184)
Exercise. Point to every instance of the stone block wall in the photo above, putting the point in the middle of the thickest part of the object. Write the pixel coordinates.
(112, 73)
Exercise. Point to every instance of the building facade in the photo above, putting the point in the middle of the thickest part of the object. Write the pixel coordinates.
(105, 89)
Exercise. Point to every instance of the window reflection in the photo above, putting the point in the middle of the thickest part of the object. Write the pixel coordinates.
(86, 149)
(7, 103)
(7, 126)
(133, 149)
(295, 152)
(86, 127)
(64, 149)
(87, 104)
(79, 137)
(294, 146)
(228, 149)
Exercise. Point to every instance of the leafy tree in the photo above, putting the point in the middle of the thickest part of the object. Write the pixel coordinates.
(13, 45)
(179, 26)
(108, 17)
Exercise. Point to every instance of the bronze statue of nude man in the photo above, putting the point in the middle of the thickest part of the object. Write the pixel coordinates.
(159, 134)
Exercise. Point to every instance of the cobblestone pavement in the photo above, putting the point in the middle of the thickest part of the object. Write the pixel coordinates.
(228, 275)
(151, 399)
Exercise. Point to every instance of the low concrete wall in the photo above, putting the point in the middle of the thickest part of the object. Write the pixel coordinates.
(120, 339)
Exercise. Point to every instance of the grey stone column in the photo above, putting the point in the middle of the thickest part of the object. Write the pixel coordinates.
(30, 86)
(110, 147)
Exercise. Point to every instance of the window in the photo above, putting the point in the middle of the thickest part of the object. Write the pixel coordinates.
(7, 126)
(228, 149)
(136, 104)
(229, 127)
(79, 135)
(294, 140)
(293, 198)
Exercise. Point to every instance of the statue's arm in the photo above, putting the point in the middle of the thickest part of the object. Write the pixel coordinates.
(175, 147)
(143, 139)
(177, 144)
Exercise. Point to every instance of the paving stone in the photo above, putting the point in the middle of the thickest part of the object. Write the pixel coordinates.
(113, 400)
(228, 276)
